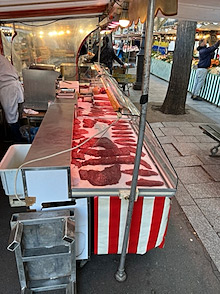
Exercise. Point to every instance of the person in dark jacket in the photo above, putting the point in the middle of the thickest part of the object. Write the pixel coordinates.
(205, 56)
(107, 55)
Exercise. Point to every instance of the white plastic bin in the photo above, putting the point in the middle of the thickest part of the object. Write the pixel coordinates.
(13, 158)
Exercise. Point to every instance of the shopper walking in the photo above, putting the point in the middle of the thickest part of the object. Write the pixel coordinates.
(205, 56)
(11, 96)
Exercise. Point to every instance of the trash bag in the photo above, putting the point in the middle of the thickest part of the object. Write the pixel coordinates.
(28, 132)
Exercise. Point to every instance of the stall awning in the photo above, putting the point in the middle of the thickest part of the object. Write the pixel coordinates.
(195, 10)
(138, 9)
(24, 9)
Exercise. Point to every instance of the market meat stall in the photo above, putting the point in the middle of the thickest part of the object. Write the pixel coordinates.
(102, 169)
(82, 159)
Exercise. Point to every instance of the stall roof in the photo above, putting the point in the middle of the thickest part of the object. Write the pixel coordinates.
(199, 10)
(26, 9)
(195, 10)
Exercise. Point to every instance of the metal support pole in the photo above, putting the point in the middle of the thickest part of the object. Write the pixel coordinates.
(140, 62)
(121, 274)
(99, 52)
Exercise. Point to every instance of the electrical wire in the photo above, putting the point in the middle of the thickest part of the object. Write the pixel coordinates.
(43, 25)
(61, 152)
(119, 4)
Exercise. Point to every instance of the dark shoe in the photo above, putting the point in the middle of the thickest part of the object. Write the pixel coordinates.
(197, 98)
(193, 97)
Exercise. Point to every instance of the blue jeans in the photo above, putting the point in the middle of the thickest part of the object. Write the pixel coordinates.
(199, 80)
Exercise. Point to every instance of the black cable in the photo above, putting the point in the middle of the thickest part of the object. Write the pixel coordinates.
(119, 4)
(42, 25)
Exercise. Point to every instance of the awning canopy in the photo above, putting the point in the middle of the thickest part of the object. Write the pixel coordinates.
(32, 9)
(195, 10)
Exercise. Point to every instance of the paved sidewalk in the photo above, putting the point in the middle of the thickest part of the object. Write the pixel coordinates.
(188, 149)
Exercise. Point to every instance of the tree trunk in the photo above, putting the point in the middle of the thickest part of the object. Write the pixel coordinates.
(175, 100)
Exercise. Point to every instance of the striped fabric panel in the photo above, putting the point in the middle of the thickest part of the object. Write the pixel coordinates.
(103, 232)
(155, 222)
(146, 220)
(123, 217)
(191, 80)
(135, 226)
(211, 89)
(148, 226)
(164, 222)
(115, 209)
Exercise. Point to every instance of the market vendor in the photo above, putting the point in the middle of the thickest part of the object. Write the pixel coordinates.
(107, 55)
(11, 96)
(205, 56)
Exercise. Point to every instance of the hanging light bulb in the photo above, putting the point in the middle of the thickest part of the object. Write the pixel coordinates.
(124, 20)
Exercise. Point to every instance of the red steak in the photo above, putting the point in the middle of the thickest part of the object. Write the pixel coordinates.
(124, 140)
(149, 183)
(88, 123)
(127, 144)
(102, 142)
(121, 136)
(114, 160)
(77, 155)
(107, 152)
(105, 121)
(120, 127)
(103, 103)
(133, 150)
(124, 133)
(141, 172)
(108, 176)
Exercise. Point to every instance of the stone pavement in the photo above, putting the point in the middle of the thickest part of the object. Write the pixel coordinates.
(188, 149)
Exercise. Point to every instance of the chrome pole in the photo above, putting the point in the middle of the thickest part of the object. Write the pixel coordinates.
(100, 41)
(121, 274)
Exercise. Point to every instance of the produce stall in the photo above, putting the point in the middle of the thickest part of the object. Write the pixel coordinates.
(161, 67)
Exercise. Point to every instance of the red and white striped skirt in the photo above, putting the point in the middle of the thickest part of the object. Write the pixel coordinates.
(148, 226)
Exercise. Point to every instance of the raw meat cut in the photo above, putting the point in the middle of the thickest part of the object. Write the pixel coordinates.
(79, 132)
(117, 128)
(88, 123)
(100, 98)
(122, 121)
(105, 121)
(105, 143)
(121, 125)
(141, 172)
(149, 183)
(77, 137)
(101, 142)
(124, 133)
(106, 153)
(108, 176)
(121, 136)
(127, 144)
(103, 103)
(76, 162)
(76, 122)
(114, 160)
(77, 155)
(124, 140)
(133, 150)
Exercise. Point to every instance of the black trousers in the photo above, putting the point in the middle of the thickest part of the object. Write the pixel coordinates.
(15, 133)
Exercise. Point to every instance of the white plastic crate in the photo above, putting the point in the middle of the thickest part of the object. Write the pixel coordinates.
(13, 158)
